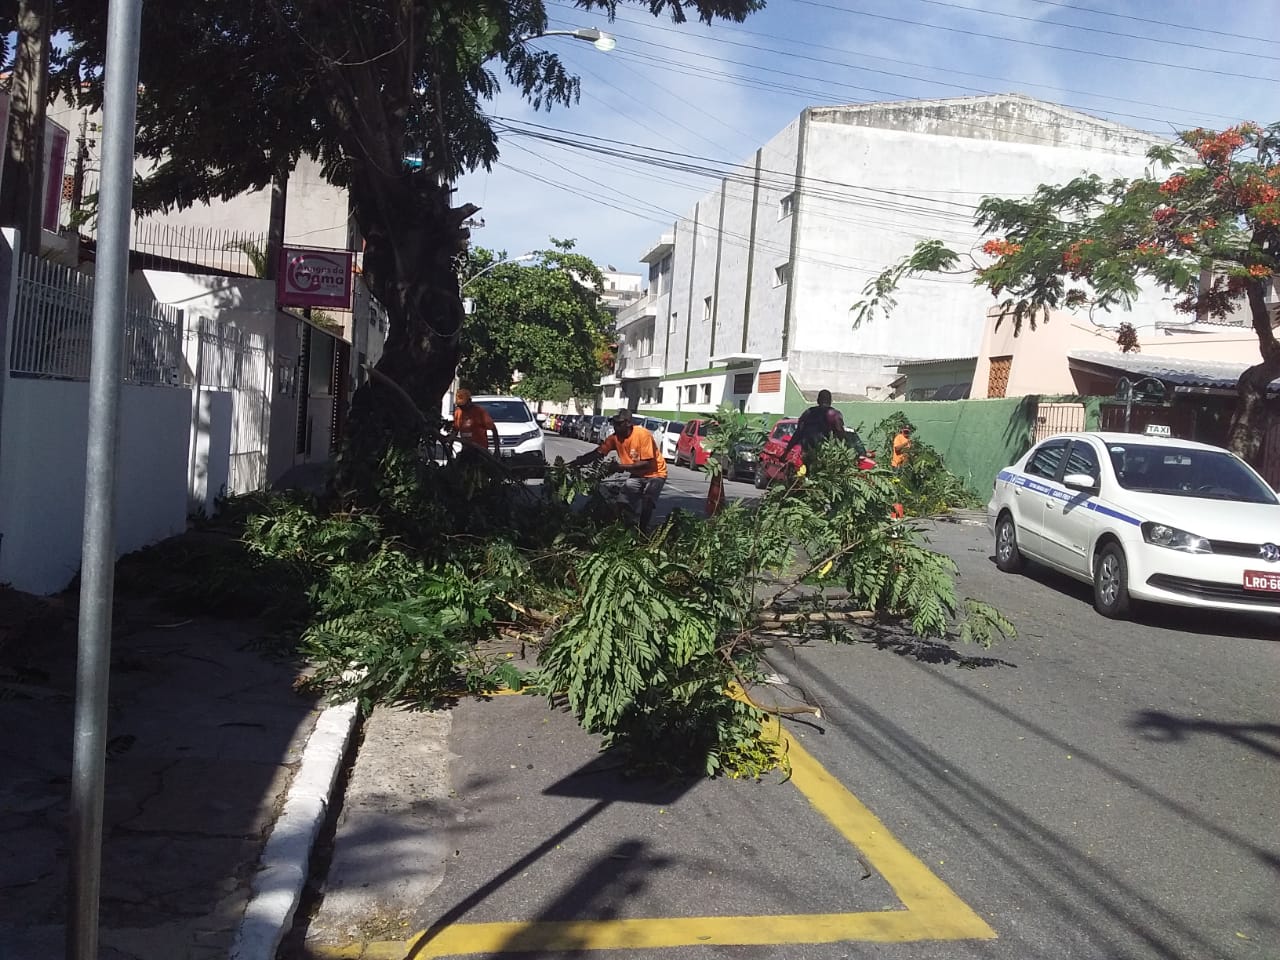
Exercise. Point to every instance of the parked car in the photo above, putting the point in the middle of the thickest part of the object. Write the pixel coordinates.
(689, 447)
(551, 421)
(745, 455)
(657, 427)
(565, 425)
(603, 430)
(770, 465)
(1142, 518)
(670, 437)
(520, 438)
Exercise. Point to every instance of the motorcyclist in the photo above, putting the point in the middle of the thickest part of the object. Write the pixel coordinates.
(638, 457)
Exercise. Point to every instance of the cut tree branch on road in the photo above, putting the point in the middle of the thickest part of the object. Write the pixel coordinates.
(1207, 230)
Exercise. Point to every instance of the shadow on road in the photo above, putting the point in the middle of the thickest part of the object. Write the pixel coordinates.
(1040, 859)
(1211, 623)
(1160, 727)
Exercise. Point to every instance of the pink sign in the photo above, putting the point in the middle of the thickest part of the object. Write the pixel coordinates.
(315, 278)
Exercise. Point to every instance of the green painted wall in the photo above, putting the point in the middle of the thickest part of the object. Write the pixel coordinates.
(975, 437)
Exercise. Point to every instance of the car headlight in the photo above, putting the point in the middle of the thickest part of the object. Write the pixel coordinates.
(530, 435)
(1162, 535)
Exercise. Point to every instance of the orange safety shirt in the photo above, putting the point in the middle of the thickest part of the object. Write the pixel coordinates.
(474, 425)
(637, 447)
(901, 444)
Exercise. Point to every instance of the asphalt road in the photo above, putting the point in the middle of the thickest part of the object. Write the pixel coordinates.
(1090, 791)
(1098, 789)
(1108, 790)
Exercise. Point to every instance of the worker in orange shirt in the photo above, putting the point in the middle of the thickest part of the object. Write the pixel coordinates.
(901, 446)
(472, 423)
(639, 457)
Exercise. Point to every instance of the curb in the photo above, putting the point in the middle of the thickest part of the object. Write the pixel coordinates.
(282, 868)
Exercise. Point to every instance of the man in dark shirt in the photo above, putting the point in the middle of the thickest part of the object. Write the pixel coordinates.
(816, 424)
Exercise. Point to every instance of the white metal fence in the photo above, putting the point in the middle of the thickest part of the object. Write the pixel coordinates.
(230, 359)
(52, 329)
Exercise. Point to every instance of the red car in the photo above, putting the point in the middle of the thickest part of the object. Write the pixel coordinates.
(771, 466)
(689, 447)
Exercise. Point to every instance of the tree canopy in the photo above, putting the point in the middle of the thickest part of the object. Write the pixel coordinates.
(233, 92)
(1205, 228)
(544, 320)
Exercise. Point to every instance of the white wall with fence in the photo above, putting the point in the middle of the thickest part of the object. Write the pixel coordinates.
(44, 422)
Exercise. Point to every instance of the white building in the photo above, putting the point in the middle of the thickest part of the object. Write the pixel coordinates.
(749, 295)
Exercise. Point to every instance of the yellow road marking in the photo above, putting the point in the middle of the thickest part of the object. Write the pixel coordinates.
(932, 911)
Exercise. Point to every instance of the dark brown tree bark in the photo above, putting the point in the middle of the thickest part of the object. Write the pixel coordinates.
(1249, 424)
(21, 193)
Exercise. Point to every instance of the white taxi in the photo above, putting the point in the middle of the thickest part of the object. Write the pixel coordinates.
(1142, 518)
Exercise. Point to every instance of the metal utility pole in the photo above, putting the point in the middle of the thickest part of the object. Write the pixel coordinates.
(97, 570)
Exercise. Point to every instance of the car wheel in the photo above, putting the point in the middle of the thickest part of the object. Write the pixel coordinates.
(761, 478)
(1008, 556)
(1111, 582)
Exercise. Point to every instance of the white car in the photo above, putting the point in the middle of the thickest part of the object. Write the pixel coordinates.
(1142, 518)
(519, 433)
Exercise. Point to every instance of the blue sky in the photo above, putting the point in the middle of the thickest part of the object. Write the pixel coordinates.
(716, 93)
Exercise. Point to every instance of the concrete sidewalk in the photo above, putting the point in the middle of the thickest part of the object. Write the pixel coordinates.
(205, 735)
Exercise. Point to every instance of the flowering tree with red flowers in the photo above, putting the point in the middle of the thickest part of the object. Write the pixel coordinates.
(1091, 244)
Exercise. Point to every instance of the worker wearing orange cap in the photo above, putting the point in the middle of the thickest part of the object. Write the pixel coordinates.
(472, 423)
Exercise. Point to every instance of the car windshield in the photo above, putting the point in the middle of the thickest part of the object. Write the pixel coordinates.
(703, 427)
(783, 431)
(507, 411)
(675, 427)
(1186, 472)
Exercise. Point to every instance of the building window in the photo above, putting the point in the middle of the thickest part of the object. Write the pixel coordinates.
(782, 274)
(691, 393)
(770, 382)
(786, 206)
(742, 383)
(674, 323)
(998, 376)
(706, 309)
(706, 393)
(664, 275)
(657, 395)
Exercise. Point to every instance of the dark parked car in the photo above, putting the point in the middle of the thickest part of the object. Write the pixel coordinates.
(565, 425)
(746, 454)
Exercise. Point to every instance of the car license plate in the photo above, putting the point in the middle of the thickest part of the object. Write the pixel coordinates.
(508, 451)
(1258, 580)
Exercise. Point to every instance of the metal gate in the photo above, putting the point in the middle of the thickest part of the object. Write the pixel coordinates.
(238, 362)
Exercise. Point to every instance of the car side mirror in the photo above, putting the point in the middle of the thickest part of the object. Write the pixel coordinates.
(540, 417)
(1080, 481)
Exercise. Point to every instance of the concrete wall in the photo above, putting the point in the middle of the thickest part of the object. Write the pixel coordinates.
(42, 476)
(874, 180)
(883, 178)
(316, 212)
(1040, 365)
(976, 438)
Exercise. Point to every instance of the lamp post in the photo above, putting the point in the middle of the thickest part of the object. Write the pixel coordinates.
(468, 307)
(604, 42)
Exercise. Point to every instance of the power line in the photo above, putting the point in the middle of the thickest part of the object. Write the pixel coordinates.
(1172, 26)
(1030, 43)
(853, 52)
(1110, 33)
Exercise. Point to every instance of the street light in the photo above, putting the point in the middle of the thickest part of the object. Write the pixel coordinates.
(604, 42)
(497, 263)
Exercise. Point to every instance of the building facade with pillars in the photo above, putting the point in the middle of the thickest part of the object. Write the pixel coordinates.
(750, 294)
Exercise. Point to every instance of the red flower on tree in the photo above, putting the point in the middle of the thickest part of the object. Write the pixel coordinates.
(1259, 270)
(1000, 248)
(1164, 214)
(1173, 184)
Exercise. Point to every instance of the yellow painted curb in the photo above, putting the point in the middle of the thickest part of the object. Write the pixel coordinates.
(932, 911)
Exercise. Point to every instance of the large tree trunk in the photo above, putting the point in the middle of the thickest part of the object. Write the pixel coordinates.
(21, 193)
(412, 238)
(1249, 424)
